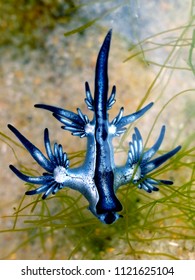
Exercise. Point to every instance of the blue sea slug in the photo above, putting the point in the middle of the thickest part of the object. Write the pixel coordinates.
(98, 178)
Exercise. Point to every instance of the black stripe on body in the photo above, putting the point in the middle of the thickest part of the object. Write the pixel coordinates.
(104, 175)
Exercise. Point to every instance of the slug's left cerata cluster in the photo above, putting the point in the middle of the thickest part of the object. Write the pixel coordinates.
(98, 178)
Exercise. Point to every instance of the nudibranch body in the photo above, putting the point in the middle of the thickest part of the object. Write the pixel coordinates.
(98, 178)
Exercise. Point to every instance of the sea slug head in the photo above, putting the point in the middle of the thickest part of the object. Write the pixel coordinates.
(109, 217)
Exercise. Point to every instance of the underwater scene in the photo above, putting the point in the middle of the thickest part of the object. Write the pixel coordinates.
(97, 130)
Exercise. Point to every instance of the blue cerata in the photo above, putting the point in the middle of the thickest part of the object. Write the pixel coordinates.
(98, 178)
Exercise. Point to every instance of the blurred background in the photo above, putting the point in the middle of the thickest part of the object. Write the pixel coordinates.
(48, 49)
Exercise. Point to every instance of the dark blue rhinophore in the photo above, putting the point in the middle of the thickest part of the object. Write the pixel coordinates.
(98, 178)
